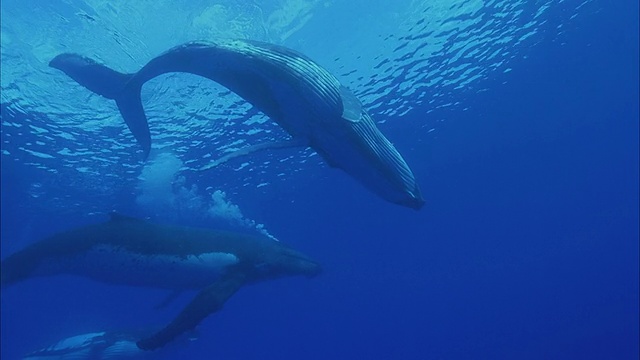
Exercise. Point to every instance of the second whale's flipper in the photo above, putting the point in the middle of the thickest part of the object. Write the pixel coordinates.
(251, 149)
(208, 301)
(169, 299)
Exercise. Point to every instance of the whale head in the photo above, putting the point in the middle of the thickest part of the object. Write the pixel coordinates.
(281, 261)
(354, 144)
(376, 164)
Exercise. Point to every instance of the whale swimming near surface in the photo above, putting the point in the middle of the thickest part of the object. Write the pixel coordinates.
(302, 97)
(136, 252)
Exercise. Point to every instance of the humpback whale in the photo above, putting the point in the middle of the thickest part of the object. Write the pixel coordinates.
(106, 345)
(131, 251)
(102, 345)
(294, 91)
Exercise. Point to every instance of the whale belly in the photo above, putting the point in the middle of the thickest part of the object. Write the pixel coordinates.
(120, 266)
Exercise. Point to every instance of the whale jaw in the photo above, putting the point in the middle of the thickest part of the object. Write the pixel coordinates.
(359, 148)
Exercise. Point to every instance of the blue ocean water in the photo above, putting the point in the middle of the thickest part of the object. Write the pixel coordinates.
(519, 118)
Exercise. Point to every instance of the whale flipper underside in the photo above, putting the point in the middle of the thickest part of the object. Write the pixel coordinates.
(254, 148)
(208, 301)
(171, 297)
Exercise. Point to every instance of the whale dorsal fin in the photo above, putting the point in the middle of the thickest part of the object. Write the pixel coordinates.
(351, 106)
(117, 217)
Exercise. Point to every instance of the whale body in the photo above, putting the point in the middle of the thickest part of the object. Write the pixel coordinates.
(112, 344)
(302, 97)
(131, 251)
(92, 346)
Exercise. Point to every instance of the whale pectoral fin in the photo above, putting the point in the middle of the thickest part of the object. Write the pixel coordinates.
(208, 301)
(254, 148)
(351, 105)
(169, 299)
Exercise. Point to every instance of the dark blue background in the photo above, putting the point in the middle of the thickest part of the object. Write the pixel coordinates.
(527, 247)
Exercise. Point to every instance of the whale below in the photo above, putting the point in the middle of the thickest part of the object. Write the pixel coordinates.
(109, 344)
(101, 345)
(303, 98)
(136, 252)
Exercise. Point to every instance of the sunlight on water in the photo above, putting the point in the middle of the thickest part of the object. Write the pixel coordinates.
(420, 57)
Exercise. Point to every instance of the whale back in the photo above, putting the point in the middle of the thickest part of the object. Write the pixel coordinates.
(282, 83)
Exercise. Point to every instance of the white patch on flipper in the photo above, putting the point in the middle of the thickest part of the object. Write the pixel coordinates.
(88, 346)
(75, 347)
(76, 342)
(119, 266)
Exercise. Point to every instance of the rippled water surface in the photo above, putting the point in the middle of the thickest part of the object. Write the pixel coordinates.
(402, 58)
(519, 119)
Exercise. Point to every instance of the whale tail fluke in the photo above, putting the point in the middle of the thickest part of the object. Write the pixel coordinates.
(111, 84)
(130, 106)
(87, 72)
